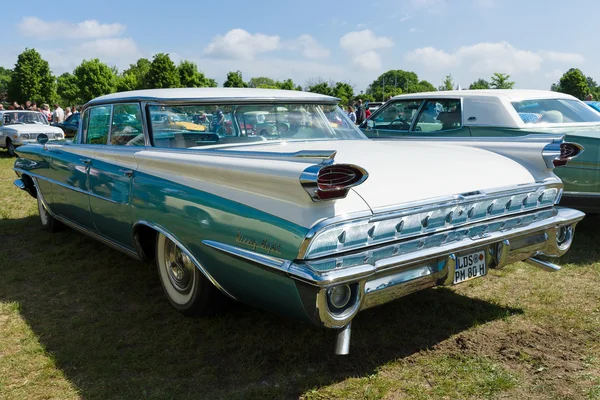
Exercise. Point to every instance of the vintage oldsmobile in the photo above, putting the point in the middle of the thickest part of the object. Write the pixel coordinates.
(313, 221)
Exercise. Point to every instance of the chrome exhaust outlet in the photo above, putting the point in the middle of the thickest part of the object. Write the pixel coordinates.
(342, 344)
(544, 265)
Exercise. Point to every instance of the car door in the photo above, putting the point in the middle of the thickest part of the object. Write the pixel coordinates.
(111, 173)
(393, 119)
(439, 118)
(71, 125)
(70, 168)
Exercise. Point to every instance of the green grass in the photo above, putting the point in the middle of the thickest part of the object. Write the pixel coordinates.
(80, 320)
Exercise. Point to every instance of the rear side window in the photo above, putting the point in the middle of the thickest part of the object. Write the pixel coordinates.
(95, 125)
(439, 115)
(555, 111)
(126, 128)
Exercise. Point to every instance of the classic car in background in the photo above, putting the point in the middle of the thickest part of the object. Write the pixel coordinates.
(69, 126)
(317, 223)
(463, 114)
(594, 104)
(20, 127)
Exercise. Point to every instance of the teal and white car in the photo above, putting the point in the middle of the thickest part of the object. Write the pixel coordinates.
(467, 115)
(316, 223)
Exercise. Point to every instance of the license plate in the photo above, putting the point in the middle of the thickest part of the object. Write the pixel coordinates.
(470, 266)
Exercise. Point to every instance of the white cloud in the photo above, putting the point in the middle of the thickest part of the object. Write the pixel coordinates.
(241, 45)
(361, 46)
(571, 58)
(359, 42)
(309, 46)
(412, 30)
(554, 74)
(480, 58)
(33, 26)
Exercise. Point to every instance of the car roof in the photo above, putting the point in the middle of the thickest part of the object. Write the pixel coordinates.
(509, 94)
(213, 94)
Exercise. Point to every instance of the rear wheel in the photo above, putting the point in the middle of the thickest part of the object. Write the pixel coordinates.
(11, 148)
(49, 223)
(187, 289)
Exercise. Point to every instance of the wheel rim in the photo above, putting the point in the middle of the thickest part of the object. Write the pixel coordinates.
(43, 212)
(177, 270)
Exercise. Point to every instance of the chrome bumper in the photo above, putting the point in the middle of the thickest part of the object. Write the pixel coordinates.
(380, 281)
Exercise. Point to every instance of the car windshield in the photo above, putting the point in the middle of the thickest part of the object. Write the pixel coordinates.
(555, 111)
(228, 123)
(22, 117)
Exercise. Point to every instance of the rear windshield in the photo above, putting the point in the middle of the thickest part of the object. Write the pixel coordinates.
(555, 111)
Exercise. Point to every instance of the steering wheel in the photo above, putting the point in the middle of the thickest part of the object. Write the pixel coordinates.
(401, 123)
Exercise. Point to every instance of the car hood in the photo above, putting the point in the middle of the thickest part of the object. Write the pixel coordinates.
(406, 172)
(33, 128)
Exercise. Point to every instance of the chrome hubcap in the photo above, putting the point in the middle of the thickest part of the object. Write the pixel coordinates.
(180, 269)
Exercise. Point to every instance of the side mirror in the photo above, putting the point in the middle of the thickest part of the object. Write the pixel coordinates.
(42, 138)
(370, 124)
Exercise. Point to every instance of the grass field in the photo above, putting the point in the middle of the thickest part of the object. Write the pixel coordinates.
(80, 320)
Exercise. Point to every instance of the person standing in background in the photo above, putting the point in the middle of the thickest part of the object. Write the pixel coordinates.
(59, 114)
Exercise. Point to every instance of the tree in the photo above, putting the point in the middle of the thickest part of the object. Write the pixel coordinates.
(67, 88)
(5, 77)
(94, 79)
(210, 82)
(135, 77)
(321, 87)
(288, 84)
(343, 91)
(126, 82)
(424, 86)
(189, 76)
(263, 82)
(447, 83)
(480, 84)
(501, 81)
(32, 79)
(234, 79)
(573, 82)
(163, 72)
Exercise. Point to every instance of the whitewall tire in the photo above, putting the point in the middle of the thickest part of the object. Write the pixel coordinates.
(49, 223)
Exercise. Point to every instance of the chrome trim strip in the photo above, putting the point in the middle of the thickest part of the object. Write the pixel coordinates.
(543, 265)
(251, 256)
(75, 189)
(198, 264)
(581, 194)
(84, 230)
(303, 272)
(419, 207)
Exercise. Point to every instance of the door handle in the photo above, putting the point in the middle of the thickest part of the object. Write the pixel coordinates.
(86, 161)
(126, 172)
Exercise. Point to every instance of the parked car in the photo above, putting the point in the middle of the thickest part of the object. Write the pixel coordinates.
(21, 127)
(69, 126)
(465, 114)
(594, 104)
(317, 224)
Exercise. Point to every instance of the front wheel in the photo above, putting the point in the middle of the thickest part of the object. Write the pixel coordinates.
(11, 148)
(187, 289)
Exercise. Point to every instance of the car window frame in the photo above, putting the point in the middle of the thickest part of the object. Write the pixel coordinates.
(438, 99)
(89, 111)
(389, 103)
(110, 129)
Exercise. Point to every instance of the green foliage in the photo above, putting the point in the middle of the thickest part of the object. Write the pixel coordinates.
(162, 73)
(345, 92)
(501, 81)
(447, 83)
(5, 76)
(365, 97)
(234, 79)
(210, 82)
(321, 88)
(67, 88)
(95, 79)
(395, 82)
(32, 79)
(262, 82)
(189, 76)
(480, 84)
(573, 82)
(288, 84)
(135, 77)
(126, 82)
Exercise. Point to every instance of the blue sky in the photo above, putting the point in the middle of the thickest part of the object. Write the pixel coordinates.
(354, 41)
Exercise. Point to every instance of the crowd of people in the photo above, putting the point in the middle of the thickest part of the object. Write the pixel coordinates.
(58, 115)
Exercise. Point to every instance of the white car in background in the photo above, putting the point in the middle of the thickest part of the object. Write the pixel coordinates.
(18, 127)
